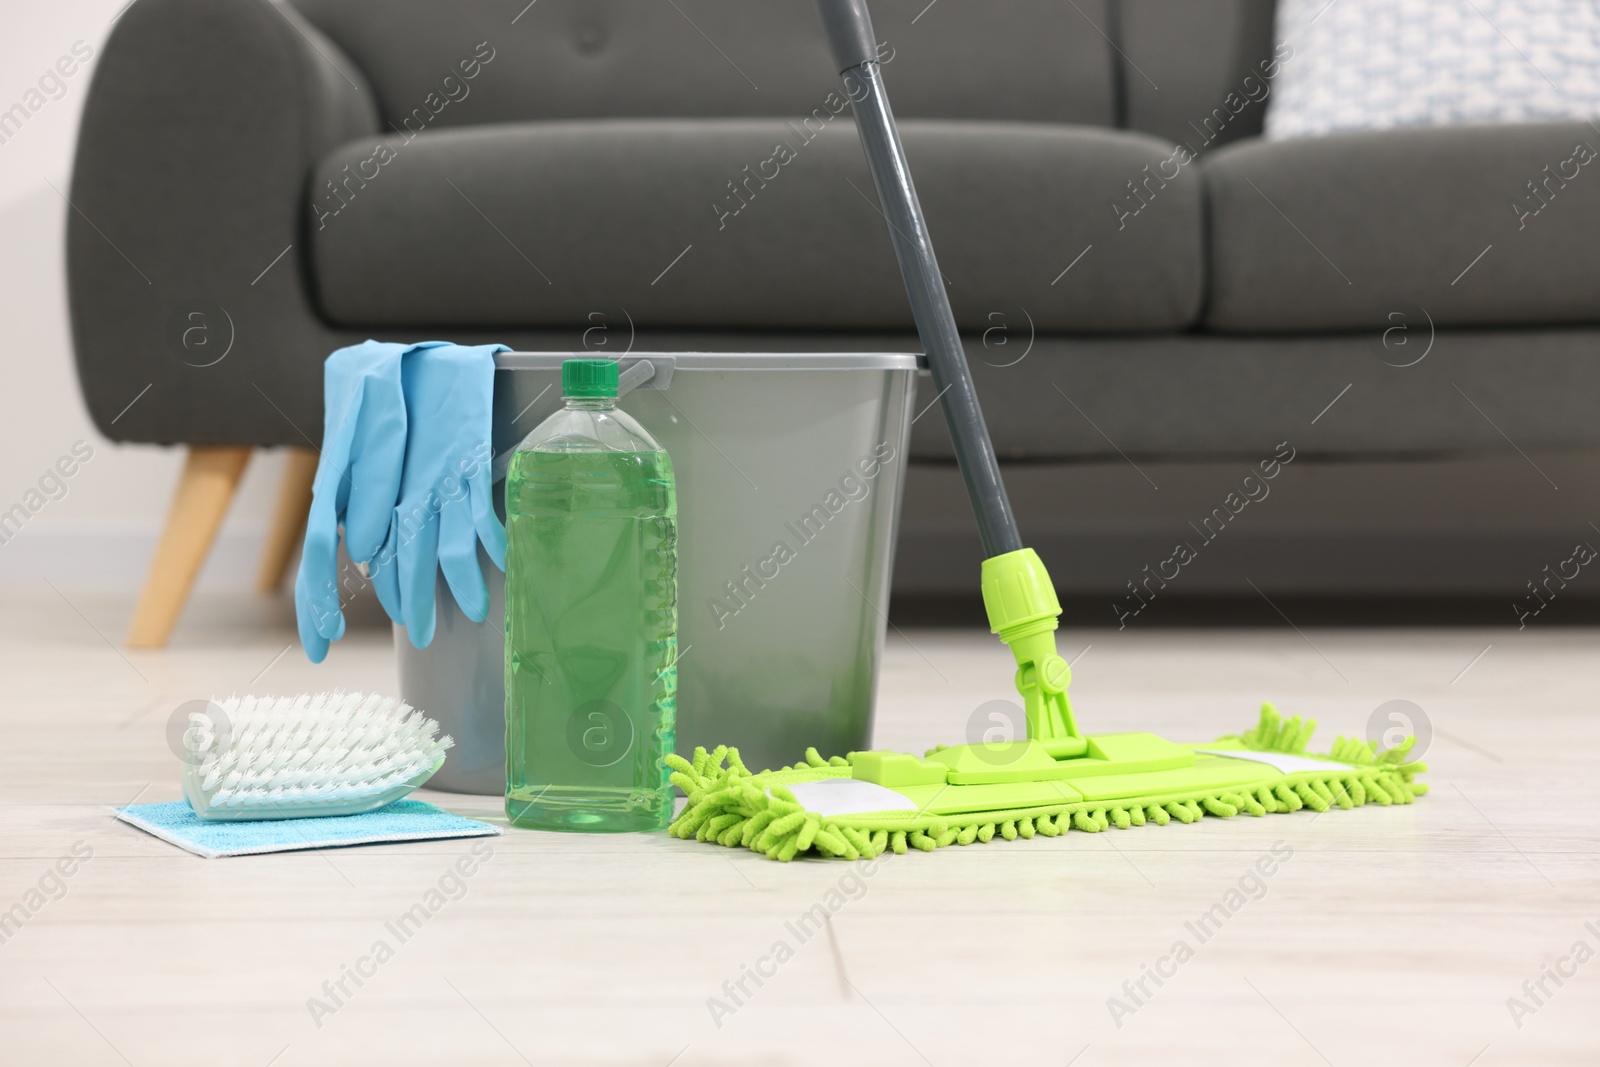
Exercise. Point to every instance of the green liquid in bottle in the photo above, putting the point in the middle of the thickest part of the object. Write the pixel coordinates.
(591, 632)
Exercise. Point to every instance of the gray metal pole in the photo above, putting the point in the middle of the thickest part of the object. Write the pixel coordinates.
(855, 48)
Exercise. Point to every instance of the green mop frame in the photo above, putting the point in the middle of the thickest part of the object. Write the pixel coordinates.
(1057, 779)
(730, 806)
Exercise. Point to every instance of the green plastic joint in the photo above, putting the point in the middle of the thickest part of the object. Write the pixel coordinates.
(1023, 610)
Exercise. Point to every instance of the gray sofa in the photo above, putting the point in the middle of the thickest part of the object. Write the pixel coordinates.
(1148, 323)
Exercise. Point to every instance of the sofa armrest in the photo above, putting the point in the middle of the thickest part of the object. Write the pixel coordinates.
(192, 311)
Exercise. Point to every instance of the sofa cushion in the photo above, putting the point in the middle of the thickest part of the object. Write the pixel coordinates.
(1023, 60)
(1476, 225)
(1182, 396)
(747, 223)
(1199, 74)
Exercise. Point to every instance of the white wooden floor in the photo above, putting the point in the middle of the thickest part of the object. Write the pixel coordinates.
(1388, 936)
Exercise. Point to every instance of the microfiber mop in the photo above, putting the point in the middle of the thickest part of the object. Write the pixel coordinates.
(1057, 779)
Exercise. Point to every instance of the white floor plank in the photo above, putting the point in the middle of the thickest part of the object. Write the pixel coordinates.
(1389, 936)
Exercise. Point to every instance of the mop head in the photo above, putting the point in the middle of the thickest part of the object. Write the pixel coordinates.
(876, 801)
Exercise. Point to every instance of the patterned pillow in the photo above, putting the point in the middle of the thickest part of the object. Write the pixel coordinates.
(1386, 64)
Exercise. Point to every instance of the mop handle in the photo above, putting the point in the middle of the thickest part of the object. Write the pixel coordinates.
(855, 52)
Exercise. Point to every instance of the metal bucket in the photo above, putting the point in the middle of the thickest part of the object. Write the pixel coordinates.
(790, 470)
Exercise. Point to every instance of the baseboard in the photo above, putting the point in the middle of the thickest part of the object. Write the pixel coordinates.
(111, 557)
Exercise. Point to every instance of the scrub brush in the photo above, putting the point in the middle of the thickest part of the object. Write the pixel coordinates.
(309, 755)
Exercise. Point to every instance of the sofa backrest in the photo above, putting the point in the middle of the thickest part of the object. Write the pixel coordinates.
(1026, 60)
(1163, 67)
(1181, 59)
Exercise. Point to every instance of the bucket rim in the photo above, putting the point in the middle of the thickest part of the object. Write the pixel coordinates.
(725, 361)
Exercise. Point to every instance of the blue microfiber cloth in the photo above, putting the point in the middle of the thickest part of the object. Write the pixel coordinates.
(404, 820)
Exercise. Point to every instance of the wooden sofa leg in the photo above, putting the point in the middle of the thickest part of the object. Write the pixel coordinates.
(210, 476)
(288, 519)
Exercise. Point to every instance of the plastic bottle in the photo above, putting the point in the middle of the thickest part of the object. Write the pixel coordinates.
(591, 616)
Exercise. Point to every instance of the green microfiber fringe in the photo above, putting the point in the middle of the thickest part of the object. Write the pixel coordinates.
(726, 805)
(1273, 734)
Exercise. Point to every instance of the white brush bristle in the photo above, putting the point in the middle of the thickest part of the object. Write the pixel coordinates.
(282, 755)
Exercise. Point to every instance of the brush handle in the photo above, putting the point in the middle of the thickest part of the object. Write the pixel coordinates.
(855, 52)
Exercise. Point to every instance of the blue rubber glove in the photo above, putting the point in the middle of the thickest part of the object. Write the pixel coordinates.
(357, 481)
(445, 507)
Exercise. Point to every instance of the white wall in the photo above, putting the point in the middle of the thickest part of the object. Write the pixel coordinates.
(101, 533)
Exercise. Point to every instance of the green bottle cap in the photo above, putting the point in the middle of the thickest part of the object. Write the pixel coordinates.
(589, 377)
